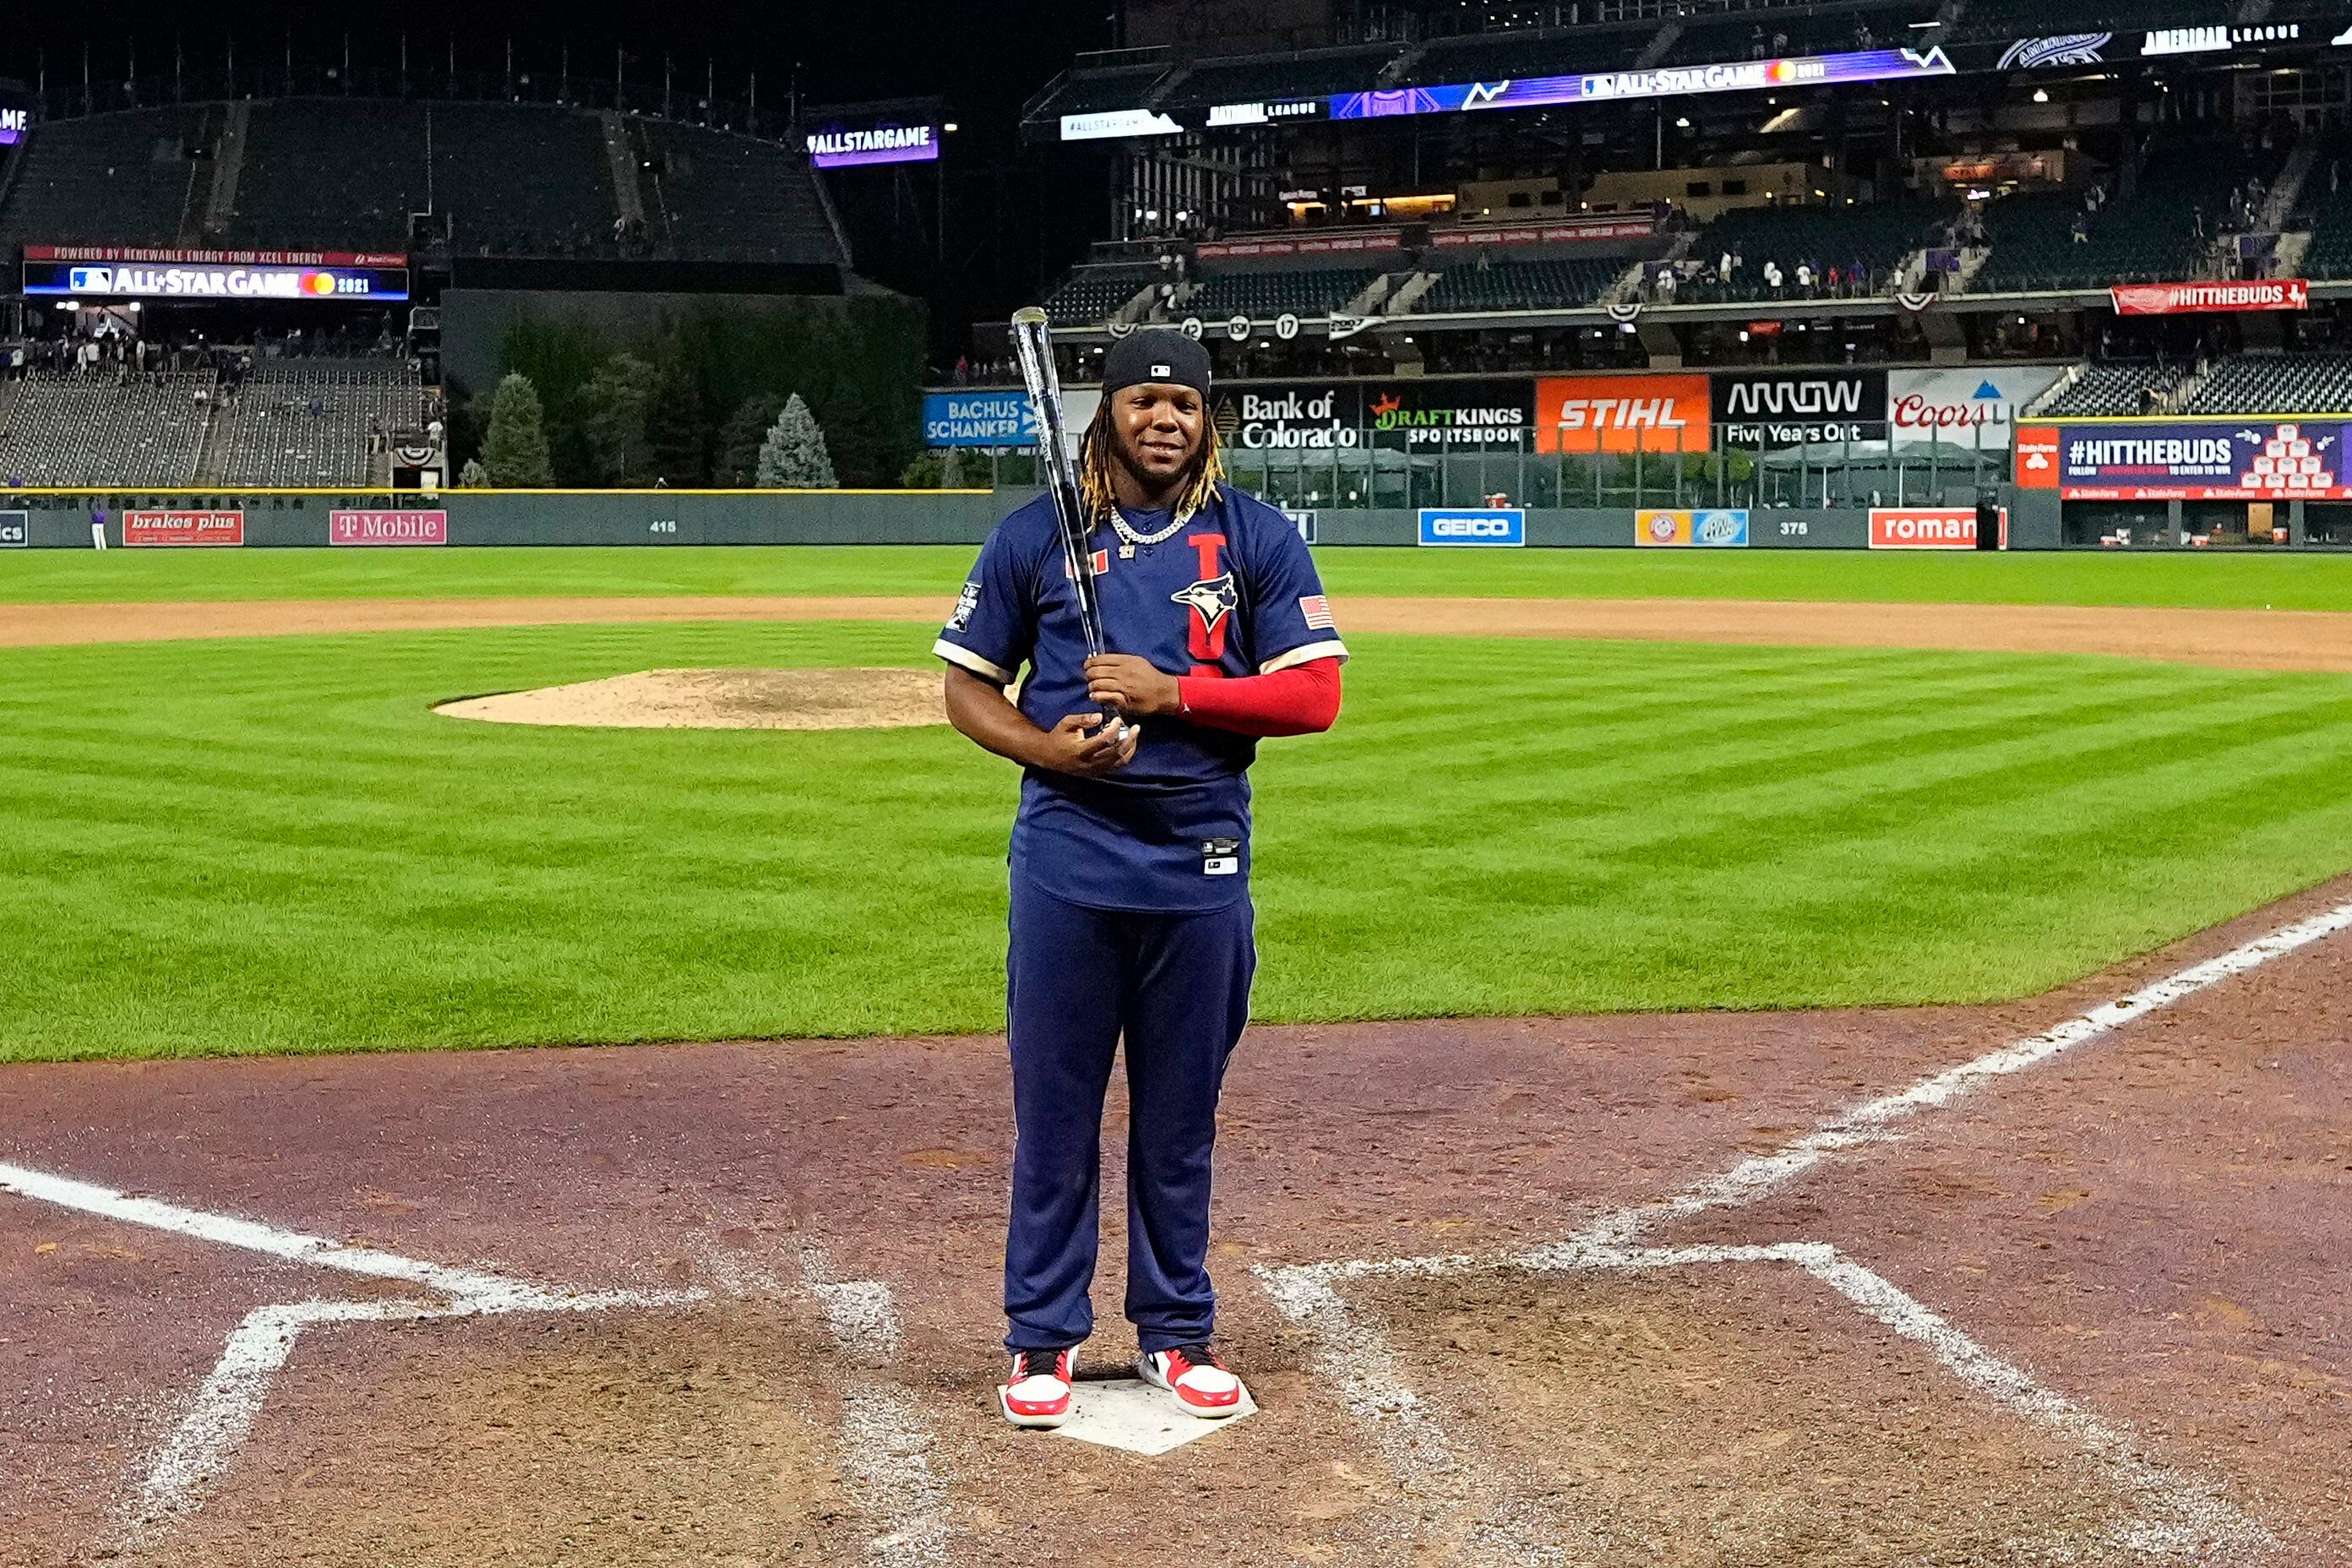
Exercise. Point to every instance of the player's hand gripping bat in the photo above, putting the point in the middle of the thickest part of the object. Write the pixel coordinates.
(1032, 343)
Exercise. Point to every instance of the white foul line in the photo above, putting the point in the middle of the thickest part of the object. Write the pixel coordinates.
(888, 1450)
(223, 1413)
(1874, 1121)
(1354, 1355)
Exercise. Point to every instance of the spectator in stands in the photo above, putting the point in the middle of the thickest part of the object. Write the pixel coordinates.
(1804, 278)
(1723, 269)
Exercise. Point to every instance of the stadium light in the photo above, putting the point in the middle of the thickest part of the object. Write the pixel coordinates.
(2041, 95)
(1682, 121)
(949, 128)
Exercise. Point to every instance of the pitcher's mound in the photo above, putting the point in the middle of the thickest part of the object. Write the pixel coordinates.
(723, 699)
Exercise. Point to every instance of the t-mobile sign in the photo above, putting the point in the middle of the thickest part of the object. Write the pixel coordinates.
(387, 528)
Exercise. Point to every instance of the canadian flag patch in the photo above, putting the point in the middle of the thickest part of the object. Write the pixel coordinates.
(1316, 608)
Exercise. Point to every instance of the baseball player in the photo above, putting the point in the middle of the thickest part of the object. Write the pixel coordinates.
(1130, 855)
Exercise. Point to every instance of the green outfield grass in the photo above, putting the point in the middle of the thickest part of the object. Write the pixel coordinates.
(2218, 582)
(273, 845)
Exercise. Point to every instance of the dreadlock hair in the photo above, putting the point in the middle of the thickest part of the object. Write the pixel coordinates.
(1094, 461)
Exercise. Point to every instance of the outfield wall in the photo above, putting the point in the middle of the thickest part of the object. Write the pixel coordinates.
(296, 519)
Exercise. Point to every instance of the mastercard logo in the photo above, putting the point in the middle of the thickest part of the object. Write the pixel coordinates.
(1780, 71)
(317, 283)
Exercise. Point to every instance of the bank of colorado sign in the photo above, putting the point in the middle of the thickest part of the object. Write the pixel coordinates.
(387, 528)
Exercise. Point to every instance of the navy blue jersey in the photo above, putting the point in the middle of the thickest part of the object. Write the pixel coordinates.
(1232, 593)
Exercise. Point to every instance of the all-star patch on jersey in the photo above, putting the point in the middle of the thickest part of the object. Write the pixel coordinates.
(1228, 595)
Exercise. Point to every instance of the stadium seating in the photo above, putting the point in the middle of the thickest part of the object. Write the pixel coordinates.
(1092, 293)
(125, 177)
(342, 173)
(1302, 291)
(307, 422)
(724, 196)
(2328, 212)
(1877, 235)
(1770, 34)
(105, 427)
(2276, 384)
(2105, 390)
(1548, 284)
(1501, 57)
(2005, 19)
(2149, 236)
(1308, 75)
(521, 176)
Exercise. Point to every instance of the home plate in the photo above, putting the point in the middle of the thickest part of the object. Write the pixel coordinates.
(1129, 1413)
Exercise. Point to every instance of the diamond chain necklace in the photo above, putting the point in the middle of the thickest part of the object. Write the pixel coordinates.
(1119, 524)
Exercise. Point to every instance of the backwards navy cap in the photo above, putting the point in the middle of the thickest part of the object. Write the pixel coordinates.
(1156, 354)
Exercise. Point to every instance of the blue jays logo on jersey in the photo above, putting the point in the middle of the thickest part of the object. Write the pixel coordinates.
(1213, 597)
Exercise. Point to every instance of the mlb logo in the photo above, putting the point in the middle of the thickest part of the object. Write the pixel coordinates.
(91, 279)
(1162, 371)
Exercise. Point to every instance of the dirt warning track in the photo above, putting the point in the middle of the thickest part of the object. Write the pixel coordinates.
(2060, 1280)
(2239, 639)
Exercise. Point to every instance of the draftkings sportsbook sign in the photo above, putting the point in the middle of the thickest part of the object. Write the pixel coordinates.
(1431, 415)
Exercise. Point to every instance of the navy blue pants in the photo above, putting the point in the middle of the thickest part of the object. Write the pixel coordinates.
(1177, 986)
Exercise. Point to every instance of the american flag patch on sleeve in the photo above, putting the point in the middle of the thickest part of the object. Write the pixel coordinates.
(1318, 611)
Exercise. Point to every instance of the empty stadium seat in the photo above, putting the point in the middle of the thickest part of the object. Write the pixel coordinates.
(732, 196)
(2108, 390)
(104, 426)
(521, 176)
(2276, 384)
(2149, 236)
(1094, 293)
(332, 174)
(1300, 291)
(121, 177)
(1541, 284)
(306, 423)
(1878, 234)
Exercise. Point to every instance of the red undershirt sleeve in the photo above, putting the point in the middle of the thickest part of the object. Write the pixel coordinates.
(1301, 700)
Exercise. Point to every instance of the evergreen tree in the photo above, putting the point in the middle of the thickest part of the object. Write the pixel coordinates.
(675, 431)
(951, 469)
(793, 455)
(472, 477)
(922, 474)
(614, 409)
(514, 456)
(739, 443)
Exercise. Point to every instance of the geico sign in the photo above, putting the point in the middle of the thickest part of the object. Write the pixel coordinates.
(1470, 527)
(1925, 528)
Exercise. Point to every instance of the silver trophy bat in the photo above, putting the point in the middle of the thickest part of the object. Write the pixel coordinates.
(1033, 342)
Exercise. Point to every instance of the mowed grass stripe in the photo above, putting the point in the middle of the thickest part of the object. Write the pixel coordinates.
(275, 846)
(2230, 581)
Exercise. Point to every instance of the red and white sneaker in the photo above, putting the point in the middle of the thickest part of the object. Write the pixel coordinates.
(1196, 1377)
(1036, 1392)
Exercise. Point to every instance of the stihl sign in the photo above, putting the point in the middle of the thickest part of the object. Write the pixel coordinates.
(2193, 299)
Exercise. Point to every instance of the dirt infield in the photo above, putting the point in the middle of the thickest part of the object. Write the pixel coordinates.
(722, 699)
(2101, 1309)
(2238, 639)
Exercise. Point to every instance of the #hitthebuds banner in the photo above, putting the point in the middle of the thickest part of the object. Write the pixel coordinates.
(2193, 299)
(2257, 460)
